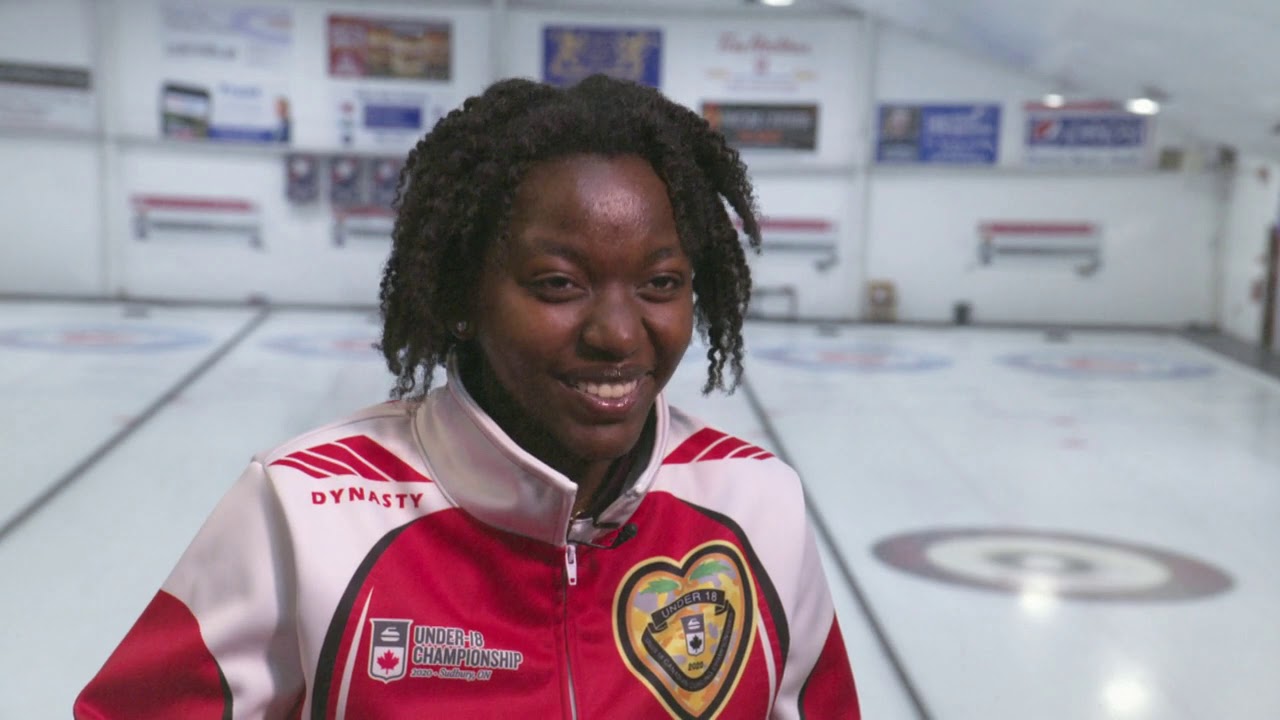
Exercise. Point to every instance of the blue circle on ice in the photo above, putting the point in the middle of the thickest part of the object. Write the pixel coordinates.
(338, 346)
(101, 338)
(854, 358)
(1107, 365)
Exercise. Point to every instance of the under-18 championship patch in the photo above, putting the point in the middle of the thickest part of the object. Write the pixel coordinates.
(685, 627)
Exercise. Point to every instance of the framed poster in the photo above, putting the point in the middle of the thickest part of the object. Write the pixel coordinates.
(938, 134)
(400, 49)
(765, 125)
(571, 53)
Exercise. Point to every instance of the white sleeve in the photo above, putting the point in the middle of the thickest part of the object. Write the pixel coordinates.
(218, 639)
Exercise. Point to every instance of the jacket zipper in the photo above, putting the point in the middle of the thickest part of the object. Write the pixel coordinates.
(571, 579)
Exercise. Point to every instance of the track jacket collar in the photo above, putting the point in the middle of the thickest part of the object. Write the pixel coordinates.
(485, 473)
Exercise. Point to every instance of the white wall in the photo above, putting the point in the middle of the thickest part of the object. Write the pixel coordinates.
(298, 261)
(914, 225)
(1253, 210)
(51, 240)
(1157, 229)
(704, 60)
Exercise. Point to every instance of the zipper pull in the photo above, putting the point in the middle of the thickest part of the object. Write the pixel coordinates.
(571, 563)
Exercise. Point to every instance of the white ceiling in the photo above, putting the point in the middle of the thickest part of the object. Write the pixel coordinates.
(1218, 60)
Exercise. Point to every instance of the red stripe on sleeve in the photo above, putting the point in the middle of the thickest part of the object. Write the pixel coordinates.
(161, 669)
(829, 692)
(724, 449)
(691, 448)
(286, 462)
(330, 467)
(382, 458)
(352, 460)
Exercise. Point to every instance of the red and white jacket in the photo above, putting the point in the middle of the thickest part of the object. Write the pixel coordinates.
(400, 564)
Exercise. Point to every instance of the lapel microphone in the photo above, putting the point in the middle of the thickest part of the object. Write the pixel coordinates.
(627, 532)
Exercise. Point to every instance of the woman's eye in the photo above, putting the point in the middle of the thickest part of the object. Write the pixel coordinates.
(666, 282)
(556, 287)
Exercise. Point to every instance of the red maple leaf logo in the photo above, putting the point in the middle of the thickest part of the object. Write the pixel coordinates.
(388, 661)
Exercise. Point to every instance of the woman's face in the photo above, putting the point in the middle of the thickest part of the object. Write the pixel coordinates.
(583, 314)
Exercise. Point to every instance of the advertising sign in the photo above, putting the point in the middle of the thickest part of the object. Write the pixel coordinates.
(236, 111)
(365, 47)
(387, 120)
(250, 36)
(570, 54)
(938, 134)
(1099, 134)
(763, 62)
(47, 97)
(771, 126)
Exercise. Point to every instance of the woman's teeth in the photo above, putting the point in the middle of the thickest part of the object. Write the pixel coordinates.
(608, 390)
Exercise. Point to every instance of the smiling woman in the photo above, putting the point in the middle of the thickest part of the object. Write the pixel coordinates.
(564, 540)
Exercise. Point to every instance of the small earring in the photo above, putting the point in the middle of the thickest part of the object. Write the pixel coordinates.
(460, 328)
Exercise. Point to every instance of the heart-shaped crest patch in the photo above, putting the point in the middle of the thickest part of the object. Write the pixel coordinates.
(685, 627)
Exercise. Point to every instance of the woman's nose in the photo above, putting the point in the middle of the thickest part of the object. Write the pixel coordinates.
(613, 326)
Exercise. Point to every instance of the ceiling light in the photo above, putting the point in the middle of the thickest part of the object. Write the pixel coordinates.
(1142, 106)
(1054, 100)
(777, 3)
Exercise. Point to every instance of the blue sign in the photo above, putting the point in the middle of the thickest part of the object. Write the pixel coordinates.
(393, 117)
(1086, 135)
(1121, 130)
(939, 134)
(570, 54)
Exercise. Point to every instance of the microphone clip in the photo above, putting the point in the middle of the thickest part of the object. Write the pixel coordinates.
(627, 532)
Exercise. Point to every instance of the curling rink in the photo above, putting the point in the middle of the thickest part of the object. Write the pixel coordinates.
(1015, 525)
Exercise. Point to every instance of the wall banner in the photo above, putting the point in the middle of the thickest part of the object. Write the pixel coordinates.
(386, 120)
(765, 126)
(571, 53)
(938, 134)
(234, 111)
(760, 62)
(249, 36)
(1091, 134)
(48, 97)
(365, 47)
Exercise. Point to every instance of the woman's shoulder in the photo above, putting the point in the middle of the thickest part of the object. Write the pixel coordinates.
(691, 440)
(379, 436)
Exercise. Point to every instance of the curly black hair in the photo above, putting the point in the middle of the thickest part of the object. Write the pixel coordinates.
(456, 191)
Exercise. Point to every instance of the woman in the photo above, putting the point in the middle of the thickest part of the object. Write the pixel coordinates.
(542, 536)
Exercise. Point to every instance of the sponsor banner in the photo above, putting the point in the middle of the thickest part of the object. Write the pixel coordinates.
(938, 134)
(1098, 134)
(786, 127)
(396, 48)
(46, 97)
(387, 120)
(228, 111)
(762, 62)
(571, 53)
(249, 36)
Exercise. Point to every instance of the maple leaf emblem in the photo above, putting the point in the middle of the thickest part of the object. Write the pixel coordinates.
(388, 661)
(695, 643)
